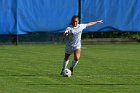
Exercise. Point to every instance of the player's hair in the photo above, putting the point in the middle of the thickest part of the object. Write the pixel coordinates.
(74, 18)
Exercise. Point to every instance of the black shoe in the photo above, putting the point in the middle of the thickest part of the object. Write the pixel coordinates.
(71, 69)
(62, 72)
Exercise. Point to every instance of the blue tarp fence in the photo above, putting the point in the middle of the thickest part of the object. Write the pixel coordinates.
(23, 16)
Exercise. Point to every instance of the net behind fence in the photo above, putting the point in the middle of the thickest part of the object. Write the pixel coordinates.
(40, 37)
(57, 38)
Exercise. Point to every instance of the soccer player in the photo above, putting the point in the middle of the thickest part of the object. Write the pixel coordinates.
(73, 41)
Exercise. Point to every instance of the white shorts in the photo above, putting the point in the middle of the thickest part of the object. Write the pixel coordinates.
(70, 49)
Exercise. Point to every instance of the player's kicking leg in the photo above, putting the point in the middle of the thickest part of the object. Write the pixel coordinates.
(77, 53)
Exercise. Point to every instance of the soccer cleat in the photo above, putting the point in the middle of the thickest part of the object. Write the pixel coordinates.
(71, 69)
(62, 72)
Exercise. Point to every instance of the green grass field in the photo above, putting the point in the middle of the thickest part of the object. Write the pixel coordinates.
(113, 68)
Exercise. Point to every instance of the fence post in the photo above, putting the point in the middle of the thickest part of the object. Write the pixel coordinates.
(79, 9)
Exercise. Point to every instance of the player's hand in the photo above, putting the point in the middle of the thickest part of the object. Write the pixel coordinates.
(66, 33)
(100, 21)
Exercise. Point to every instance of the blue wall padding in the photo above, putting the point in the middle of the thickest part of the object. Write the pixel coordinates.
(23, 16)
(121, 15)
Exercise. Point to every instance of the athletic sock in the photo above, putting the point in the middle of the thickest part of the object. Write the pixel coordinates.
(74, 63)
(65, 64)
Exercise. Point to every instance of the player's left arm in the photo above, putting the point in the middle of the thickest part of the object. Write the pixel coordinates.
(93, 23)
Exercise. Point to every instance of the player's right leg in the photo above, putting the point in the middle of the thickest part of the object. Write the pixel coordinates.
(66, 60)
(65, 63)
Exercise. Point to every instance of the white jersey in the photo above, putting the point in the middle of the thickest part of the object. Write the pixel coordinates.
(73, 39)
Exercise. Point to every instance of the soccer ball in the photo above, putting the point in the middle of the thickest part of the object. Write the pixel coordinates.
(66, 72)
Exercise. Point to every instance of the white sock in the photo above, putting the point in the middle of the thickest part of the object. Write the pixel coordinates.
(65, 64)
(74, 63)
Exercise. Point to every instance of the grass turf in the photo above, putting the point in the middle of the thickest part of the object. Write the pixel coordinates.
(102, 69)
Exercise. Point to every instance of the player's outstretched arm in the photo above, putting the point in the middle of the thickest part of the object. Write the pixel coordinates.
(93, 23)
